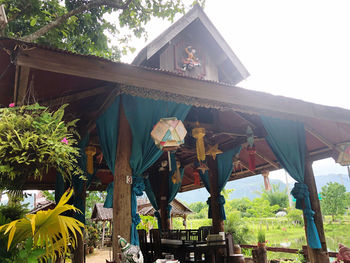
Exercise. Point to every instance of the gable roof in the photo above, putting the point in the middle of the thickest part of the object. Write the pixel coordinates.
(196, 13)
(101, 213)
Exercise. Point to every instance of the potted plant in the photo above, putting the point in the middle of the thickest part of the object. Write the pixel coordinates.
(34, 139)
(92, 238)
(261, 238)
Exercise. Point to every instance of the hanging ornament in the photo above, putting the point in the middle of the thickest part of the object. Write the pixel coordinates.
(251, 148)
(176, 177)
(169, 133)
(343, 157)
(90, 152)
(199, 133)
(251, 152)
(203, 168)
(213, 151)
(265, 174)
(250, 136)
(236, 164)
(196, 178)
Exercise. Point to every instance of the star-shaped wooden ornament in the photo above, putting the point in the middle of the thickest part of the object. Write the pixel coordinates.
(203, 168)
(213, 151)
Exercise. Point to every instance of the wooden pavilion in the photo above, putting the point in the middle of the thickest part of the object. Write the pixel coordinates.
(169, 70)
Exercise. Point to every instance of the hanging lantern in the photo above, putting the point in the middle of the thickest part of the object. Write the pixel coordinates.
(90, 152)
(267, 184)
(169, 133)
(198, 133)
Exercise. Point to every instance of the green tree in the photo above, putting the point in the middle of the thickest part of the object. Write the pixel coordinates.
(80, 25)
(275, 196)
(239, 204)
(260, 207)
(333, 199)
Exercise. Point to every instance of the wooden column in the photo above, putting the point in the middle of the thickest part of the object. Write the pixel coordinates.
(315, 255)
(217, 222)
(122, 190)
(103, 233)
(164, 193)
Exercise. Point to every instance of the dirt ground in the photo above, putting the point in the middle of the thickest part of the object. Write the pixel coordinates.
(99, 255)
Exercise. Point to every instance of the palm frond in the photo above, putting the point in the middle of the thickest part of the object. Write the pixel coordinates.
(48, 229)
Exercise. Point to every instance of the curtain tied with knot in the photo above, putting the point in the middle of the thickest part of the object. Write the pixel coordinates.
(142, 114)
(225, 167)
(287, 141)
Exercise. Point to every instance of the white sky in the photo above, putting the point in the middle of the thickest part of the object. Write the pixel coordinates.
(294, 48)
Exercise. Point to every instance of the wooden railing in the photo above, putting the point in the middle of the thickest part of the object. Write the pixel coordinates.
(289, 250)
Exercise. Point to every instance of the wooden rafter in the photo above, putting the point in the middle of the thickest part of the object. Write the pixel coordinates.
(77, 96)
(267, 159)
(21, 84)
(322, 138)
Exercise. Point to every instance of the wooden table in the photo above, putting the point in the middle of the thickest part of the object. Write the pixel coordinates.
(179, 248)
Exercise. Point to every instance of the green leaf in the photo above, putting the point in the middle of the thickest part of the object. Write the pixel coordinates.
(33, 21)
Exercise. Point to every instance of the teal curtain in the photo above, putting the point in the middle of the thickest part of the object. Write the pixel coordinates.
(107, 129)
(287, 141)
(142, 115)
(225, 167)
(153, 200)
(59, 187)
(173, 188)
(78, 182)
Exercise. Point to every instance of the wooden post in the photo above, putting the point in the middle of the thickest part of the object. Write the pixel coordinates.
(259, 255)
(217, 222)
(122, 190)
(103, 233)
(164, 193)
(315, 255)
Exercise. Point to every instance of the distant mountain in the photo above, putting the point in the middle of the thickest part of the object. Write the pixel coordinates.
(250, 186)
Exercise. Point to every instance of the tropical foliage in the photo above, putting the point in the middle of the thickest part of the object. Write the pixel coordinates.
(32, 140)
(82, 26)
(43, 235)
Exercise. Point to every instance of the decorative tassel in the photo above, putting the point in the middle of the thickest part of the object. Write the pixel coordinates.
(199, 133)
(90, 152)
(267, 184)
(251, 152)
(196, 178)
(176, 177)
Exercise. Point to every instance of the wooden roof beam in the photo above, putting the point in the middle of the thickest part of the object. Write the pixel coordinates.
(236, 98)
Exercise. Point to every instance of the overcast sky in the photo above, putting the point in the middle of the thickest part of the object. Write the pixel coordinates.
(294, 48)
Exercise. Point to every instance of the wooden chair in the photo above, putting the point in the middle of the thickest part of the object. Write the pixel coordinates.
(183, 235)
(204, 232)
(230, 253)
(147, 254)
(194, 235)
(174, 234)
(156, 245)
